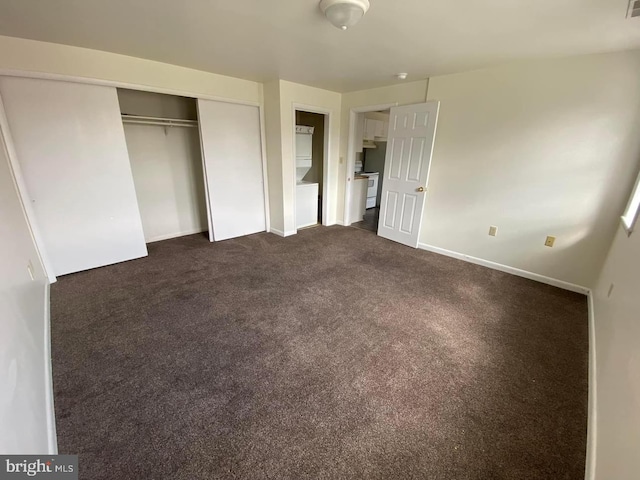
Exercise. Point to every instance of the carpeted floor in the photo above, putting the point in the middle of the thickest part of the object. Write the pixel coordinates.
(332, 354)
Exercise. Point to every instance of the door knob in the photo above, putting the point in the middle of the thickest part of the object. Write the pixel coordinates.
(420, 189)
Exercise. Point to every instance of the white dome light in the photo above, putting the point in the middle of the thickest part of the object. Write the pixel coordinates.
(344, 13)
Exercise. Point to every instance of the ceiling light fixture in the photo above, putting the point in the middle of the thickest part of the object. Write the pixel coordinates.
(402, 76)
(344, 13)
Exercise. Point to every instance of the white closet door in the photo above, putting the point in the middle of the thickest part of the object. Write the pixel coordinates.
(71, 147)
(232, 156)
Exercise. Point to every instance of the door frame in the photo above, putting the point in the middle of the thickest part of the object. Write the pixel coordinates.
(351, 152)
(328, 121)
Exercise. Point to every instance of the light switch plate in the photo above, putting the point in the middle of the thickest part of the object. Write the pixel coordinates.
(493, 230)
(550, 241)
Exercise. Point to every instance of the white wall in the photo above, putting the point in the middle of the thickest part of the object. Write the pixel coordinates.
(617, 331)
(167, 172)
(25, 394)
(402, 94)
(536, 148)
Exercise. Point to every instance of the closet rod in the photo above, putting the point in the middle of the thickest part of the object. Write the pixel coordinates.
(165, 122)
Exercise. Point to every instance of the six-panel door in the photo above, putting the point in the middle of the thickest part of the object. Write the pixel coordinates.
(406, 171)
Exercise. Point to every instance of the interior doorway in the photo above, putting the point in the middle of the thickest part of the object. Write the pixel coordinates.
(386, 193)
(370, 153)
(311, 150)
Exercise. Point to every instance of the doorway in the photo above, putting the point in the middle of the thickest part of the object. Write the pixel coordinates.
(370, 153)
(386, 192)
(311, 150)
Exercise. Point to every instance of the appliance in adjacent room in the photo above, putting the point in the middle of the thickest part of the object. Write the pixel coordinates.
(306, 192)
(372, 188)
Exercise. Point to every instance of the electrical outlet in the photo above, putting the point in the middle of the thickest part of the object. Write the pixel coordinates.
(550, 241)
(493, 231)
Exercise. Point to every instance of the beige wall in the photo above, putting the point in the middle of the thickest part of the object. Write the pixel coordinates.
(273, 134)
(617, 332)
(536, 148)
(402, 94)
(34, 56)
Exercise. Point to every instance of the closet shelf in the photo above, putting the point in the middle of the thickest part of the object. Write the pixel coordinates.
(165, 122)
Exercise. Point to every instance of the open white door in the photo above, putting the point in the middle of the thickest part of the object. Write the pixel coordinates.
(412, 131)
(232, 159)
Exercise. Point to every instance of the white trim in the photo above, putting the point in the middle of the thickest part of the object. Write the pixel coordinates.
(159, 238)
(265, 178)
(280, 233)
(592, 418)
(505, 268)
(326, 160)
(351, 152)
(48, 376)
(18, 179)
(117, 84)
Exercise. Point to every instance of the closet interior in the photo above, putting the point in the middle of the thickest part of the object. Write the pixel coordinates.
(163, 142)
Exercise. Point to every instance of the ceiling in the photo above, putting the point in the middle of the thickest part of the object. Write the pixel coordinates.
(290, 39)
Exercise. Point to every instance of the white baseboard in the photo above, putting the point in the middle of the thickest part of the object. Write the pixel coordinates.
(505, 268)
(159, 238)
(52, 439)
(592, 419)
(280, 233)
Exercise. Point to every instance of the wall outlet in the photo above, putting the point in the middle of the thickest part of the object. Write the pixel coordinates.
(493, 231)
(550, 241)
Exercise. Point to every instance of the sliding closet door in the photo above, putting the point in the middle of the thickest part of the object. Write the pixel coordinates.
(71, 147)
(232, 156)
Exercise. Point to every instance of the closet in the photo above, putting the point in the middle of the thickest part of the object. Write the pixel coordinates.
(108, 170)
(163, 142)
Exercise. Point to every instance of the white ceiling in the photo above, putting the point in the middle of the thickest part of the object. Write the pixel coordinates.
(290, 39)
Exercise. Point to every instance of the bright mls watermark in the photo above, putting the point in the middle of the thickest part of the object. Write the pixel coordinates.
(58, 467)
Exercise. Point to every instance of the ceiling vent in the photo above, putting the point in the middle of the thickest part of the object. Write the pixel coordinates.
(634, 9)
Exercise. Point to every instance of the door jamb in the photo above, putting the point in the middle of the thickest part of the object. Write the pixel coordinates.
(351, 152)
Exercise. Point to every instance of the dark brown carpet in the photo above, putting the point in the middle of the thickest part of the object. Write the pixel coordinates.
(333, 354)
